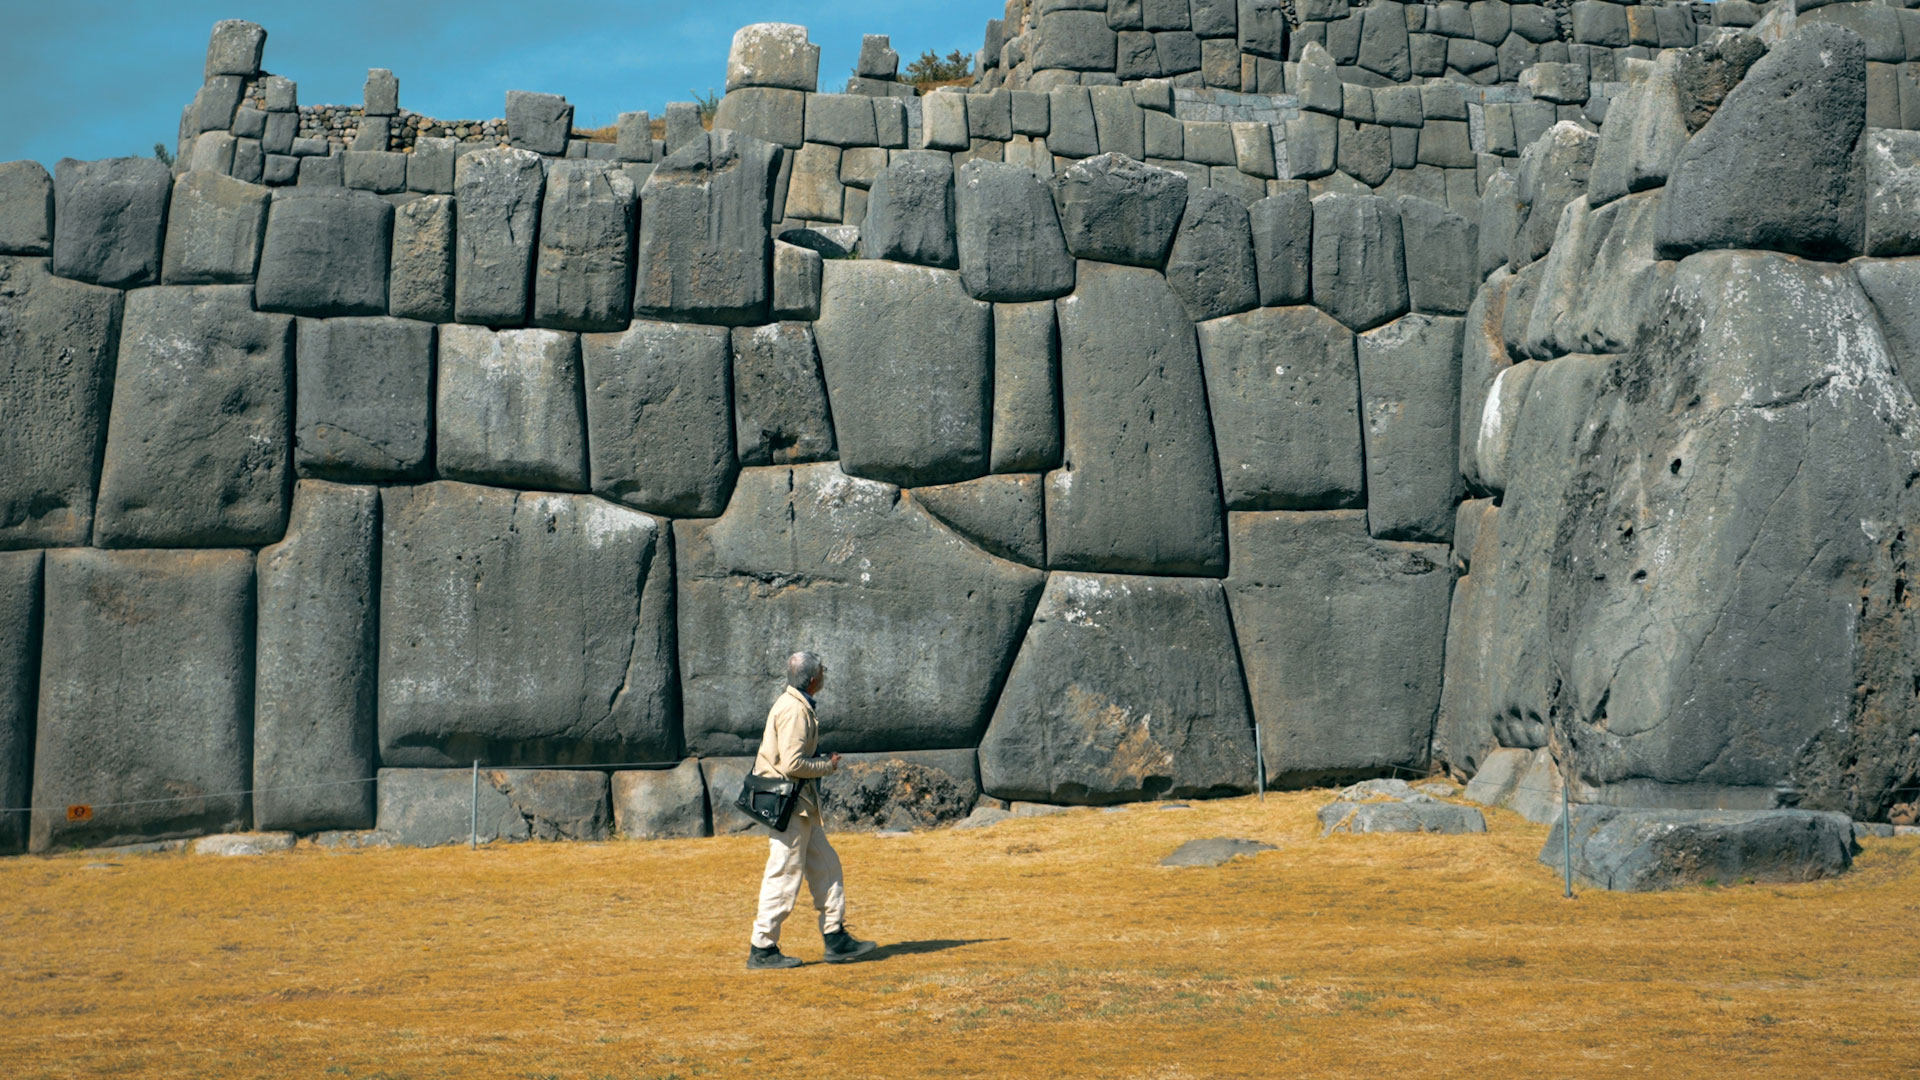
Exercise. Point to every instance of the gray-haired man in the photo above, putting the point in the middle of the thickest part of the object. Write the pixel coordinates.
(801, 851)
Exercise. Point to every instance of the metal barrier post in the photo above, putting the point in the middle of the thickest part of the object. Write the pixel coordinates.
(1259, 762)
(473, 817)
(1566, 833)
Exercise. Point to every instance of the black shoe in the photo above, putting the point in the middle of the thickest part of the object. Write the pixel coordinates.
(842, 947)
(770, 959)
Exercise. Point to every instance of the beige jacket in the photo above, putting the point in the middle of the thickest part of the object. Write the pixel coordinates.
(787, 750)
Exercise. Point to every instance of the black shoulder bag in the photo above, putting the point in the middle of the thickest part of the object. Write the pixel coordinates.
(767, 801)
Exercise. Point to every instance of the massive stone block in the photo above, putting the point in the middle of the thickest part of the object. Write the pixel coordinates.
(1026, 388)
(584, 276)
(214, 229)
(1211, 266)
(773, 54)
(538, 123)
(1650, 850)
(19, 681)
(780, 413)
(1284, 389)
(509, 409)
(1126, 688)
(917, 626)
(1134, 403)
(1343, 638)
(363, 399)
(436, 807)
(326, 253)
(524, 628)
(1554, 170)
(1410, 395)
(1359, 262)
(313, 719)
(110, 220)
(910, 211)
(1011, 248)
(1599, 280)
(914, 789)
(26, 208)
(909, 367)
(1115, 209)
(169, 720)
(422, 283)
(778, 116)
(704, 250)
(1442, 256)
(197, 452)
(1463, 734)
(497, 196)
(58, 341)
(1005, 515)
(1645, 131)
(660, 417)
(660, 804)
(1074, 41)
(1283, 247)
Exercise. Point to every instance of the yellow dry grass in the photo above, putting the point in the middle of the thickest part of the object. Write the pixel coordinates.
(1048, 948)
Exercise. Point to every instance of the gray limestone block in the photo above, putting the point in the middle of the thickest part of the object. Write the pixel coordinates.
(421, 285)
(363, 402)
(1165, 137)
(1312, 142)
(20, 577)
(1600, 280)
(861, 166)
(281, 130)
(235, 47)
(1535, 23)
(1627, 850)
(1470, 57)
(704, 249)
(1284, 391)
(382, 93)
(1254, 151)
(1074, 41)
(1214, 18)
(313, 716)
(1365, 152)
(541, 123)
(908, 358)
(877, 58)
(1446, 143)
(1646, 130)
(323, 172)
(583, 273)
(430, 168)
(773, 54)
(110, 219)
(210, 152)
(1409, 395)
(498, 194)
(1359, 263)
(1136, 57)
(281, 94)
(814, 190)
(892, 122)
(1428, 53)
(1003, 515)
(1264, 26)
(660, 417)
(661, 804)
(1310, 594)
(1126, 688)
(26, 208)
(375, 135)
(1029, 112)
(214, 229)
(1493, 434)
(903, 791)
(326, 253)
(1775, 168)
(524, 628)
(1463, 735)
(1211, 267)
(841, 120)
(215, 103)
(1404, 144)
(381, 171)
(1010, 244)
(1221, 63)
(1892, 182)
(1893, 285)
(1501, 215)
(683, 125)
(1560, 83)
(635, 137)
(197, 451)
(508, 408)
(1126, 15)
(1165, 14)
(724, 778)
(1385, 48)
(1878, 26)
(910, 211)
(945, 126)
(1209, 143)
(1118, 123)
(58, 343)
(989, 116)
(780, 413)
(1177, 52)
(1117, 210)
(796, 282)
(1073, 133)
(1129, 362)
(1282, 227)
(917, 630)
(438, 807)
(311, 148)
(1026, 388)
(249, 162)
(1442, 256)
(166, 726)
(1415, 814)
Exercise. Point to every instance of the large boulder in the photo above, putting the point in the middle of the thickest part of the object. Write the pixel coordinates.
(1410, 393)
(325, 253)
(583, 277)
(1115, 209)
(1359, 260)
(1650, 850)
(1393, 807)
(773, 54)
(508, 408)
(19, 663)
(214, 228)
(1441, 255)
(58, 341)
(363, 399)
(1343, 639)
(1026, 388)
(908, 357)
(313, 721)
(1011, 248)
(915, 789)
(659, 417)
(1211, 266)
(197, 452)
(780, 413)
(1126, 688)
(1776, 167)
(917, 626)
(110, 220)
(523, 629)
(704, 248)
(910, 211)
(497, 196)
(155, 741)
(1141, 491)
(436, 807)
(658, 804)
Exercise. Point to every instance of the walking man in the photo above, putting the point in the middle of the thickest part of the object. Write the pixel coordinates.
(801, 851)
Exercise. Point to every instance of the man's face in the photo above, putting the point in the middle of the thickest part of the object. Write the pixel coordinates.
(819, 681)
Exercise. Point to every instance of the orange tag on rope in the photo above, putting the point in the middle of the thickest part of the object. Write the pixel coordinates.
(80, 812)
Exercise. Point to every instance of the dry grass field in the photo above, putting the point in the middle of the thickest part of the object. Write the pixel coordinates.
(1045, 948)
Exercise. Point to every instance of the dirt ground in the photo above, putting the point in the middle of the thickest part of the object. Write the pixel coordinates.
(1046, 948)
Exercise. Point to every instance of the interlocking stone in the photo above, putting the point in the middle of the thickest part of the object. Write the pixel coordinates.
(704, 246)
(584, 272)
(326, 253)
(110, 220)
(363, 405)
(1011, 248)
(659, 417)
(780, 413)
(497, 196)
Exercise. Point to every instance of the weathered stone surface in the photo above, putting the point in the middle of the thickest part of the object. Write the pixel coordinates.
(1359, 263)
(841, 120)
(1651, 850)
(814, 190)
(1011, 248)
(313, 719)
(1125, 689)
(196, 452)
(908, 790)
(1026, 388)
(1263, 26)
(1441, 256)
(1524, 781)
(1892, 182)
(497, 196)
(380, 171)
(242, 845)
(1074, 41)
(523, 628)
(58, 342)
(908, 363)
(1218, 851)
(773, 54)
(363, 407)
(1129, 364)
(213, 230)
(910, 211)
(235, 47)
(796, 282)
(1501, 216)
(508, 408)
(538, 123)
(430, 168)
(1283, 246)
(421, 286)
(1493, 437)
(325, 253)
(1645, 131)
(110, 219)
(168, 720)
(1463, 734)
(1409, 813)
(917, 626)
(437, 807)
(1335, 694)
(1775, 168)
(1284, 389)
(1410, 393)
(20, 578)
(1005, 515)
(1116, 210)
(583, 278)
(1211, 266)
(704, 247)
(660, 417)
(1553, 172)
(26, 208)
(780, 413)
(724, 778)
(1599, 280)
(1894, 287)
(661, 804)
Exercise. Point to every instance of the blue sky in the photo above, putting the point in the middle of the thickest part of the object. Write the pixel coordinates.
(106, 78)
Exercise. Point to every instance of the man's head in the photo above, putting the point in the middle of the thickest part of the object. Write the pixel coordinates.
(806, 673)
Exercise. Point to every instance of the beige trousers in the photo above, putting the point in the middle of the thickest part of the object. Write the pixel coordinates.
(802, 851)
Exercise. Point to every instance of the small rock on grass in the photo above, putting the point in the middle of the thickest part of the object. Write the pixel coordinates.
(232, 844)
(1217, 851)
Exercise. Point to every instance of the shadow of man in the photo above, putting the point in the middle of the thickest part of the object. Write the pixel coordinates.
(916, 948)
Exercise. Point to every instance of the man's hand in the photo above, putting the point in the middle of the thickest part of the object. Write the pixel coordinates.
(833, 760)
